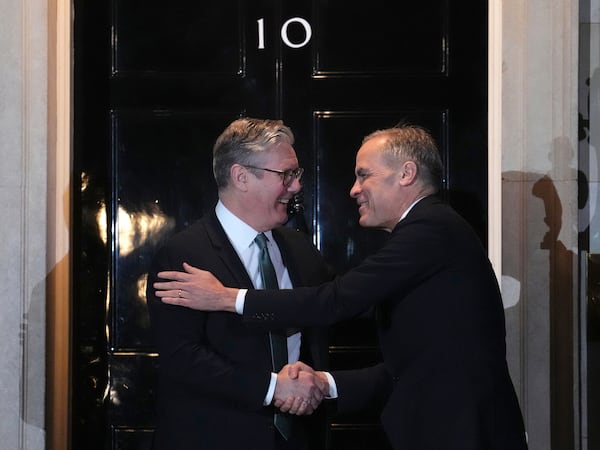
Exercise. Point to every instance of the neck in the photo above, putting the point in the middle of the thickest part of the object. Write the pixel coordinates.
(243, 210)
(416, 195)
(236, 208)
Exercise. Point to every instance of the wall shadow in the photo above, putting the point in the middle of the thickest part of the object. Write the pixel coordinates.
(525, 190)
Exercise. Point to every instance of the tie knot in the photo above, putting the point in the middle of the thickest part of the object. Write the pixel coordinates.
(261, 240)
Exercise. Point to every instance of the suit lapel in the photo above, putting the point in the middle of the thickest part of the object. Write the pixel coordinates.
(312, 349)
(289, 258)
(232, 271)
(225, 251)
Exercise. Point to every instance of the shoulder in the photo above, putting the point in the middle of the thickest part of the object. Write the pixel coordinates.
(192, 232)
(432, 210)
(432, 204)
(190, 240)
(436, 222)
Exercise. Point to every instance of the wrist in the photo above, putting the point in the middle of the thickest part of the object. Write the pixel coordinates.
(229, 299)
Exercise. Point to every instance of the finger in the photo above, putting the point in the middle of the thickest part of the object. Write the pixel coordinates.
(325, 389)
(296, 405)
(314, 402)
(317, 394)
(191, 269)
(174, 301)
(168, 285)
(284, 406)
(304, 367)
(173, 275)
(293, 372)
(305, 408)
(322, 385)
(288, 405)
(162, 293)
(297, 367)
(178, 294)
(169, 293)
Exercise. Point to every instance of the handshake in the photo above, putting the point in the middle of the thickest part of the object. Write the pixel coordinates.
(300, 389)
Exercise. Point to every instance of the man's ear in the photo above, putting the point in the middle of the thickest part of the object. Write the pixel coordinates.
(408, 173)
(239, 176)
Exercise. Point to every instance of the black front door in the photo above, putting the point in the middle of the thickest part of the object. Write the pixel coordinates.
(156, 82)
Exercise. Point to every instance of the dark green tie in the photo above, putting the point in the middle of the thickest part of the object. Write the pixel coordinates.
(279, 353)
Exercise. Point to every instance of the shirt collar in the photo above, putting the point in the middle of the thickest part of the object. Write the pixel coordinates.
(411, 207)
(240, 234)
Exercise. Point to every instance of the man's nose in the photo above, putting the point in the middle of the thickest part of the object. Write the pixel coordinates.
(355, 190)
(295, 186)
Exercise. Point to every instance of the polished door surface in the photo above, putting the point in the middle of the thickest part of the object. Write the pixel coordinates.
(156, 82)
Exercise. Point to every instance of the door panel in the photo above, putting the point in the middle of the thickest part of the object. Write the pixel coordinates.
(156, 82)
(162, 177)
(382, 39)
(151, 38)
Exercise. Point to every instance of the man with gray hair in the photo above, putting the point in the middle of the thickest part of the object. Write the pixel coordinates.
(218, 379)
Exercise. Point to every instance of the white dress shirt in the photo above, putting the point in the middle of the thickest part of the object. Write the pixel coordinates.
(241, 235)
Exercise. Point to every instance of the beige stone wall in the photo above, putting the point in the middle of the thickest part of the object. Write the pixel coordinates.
(23, 177)
(539, 213)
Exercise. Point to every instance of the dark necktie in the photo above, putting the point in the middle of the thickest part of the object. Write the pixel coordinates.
(279, 353)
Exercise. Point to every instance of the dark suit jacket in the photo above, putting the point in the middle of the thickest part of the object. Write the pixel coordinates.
(444, 381)
(214, 370)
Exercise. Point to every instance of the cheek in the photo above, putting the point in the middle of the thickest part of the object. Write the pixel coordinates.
(269, 197)
(276, 205)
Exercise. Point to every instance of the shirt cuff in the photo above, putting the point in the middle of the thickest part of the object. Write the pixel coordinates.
(271, 391)
(333, 393)
(240, 301)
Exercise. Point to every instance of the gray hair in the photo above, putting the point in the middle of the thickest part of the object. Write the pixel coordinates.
(412, 143)
(243, 141)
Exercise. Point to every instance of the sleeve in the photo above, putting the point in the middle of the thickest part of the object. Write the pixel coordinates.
(362, 390)
(414, 252)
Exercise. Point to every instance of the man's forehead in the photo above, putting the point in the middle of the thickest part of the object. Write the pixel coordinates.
(361, 166)
(368, 156)
(283, 153)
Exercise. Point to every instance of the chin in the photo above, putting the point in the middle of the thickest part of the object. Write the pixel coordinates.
(283, 218)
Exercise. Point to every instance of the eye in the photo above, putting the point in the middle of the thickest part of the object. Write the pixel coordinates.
(362, 175)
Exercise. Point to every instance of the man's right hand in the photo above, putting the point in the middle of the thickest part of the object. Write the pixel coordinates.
(299, 389)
